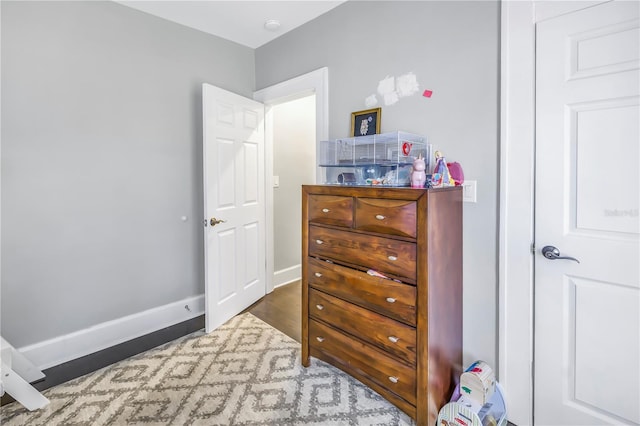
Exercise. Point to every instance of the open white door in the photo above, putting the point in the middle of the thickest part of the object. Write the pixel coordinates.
(234, 204)
(587, 314)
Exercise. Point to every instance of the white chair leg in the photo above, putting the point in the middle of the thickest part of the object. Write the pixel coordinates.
(21, 390)
(19, 363)
(16, 372)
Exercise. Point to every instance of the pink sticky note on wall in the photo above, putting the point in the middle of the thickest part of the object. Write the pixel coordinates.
(427, 93)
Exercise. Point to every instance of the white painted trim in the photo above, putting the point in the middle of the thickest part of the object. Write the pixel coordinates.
(515, 268)
(287, 275)
(101, 336)
(269, 214)
(315, 82)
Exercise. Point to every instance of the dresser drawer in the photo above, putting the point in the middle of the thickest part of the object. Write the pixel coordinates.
(379, 253)
(331, 210)
(379, 367)
(387, 297)
(396, 338)
(396, 217)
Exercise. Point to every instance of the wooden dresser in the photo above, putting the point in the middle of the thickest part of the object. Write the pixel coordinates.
(400, 335)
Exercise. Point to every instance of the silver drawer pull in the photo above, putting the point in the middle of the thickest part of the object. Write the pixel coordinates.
(392, 258)
(319, 307)
(393, 379)
(320, 339)
(391, 300)
(393, 339)
(325, 210)
(319, 242)
(380, 217)
(318, 274)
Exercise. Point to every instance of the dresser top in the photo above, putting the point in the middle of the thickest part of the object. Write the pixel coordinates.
(404, 193)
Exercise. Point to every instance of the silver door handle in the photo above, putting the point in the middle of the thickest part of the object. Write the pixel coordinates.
(552, 253)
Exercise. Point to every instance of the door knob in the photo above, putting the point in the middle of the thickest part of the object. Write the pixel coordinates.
(213, 221)
(552, 253)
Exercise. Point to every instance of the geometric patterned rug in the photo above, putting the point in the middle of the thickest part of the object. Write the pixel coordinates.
(244, 373)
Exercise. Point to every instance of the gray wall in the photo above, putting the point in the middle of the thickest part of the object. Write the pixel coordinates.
(453, 48)
(101, 143)
(101, 157)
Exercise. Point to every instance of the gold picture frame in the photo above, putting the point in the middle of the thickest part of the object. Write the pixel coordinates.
(366, 122)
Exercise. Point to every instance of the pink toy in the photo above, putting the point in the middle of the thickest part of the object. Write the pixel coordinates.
(418, 174)
(455, 170)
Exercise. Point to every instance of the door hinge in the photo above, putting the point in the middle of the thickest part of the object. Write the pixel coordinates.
(533, 248)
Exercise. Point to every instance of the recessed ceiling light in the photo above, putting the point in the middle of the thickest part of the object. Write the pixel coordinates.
(272, 24)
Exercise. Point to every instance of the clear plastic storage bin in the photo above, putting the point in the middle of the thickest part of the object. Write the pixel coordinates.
(383, 159)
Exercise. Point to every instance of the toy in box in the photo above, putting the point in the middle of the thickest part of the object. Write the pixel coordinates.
(384, 159)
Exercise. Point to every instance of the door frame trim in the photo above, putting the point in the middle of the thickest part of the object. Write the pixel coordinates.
(314, 82)
(517, 200)
(515, 262)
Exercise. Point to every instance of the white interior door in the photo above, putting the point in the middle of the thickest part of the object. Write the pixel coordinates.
(587, 314)
(234, 204)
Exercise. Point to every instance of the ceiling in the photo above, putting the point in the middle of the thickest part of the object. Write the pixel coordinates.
(241, 21)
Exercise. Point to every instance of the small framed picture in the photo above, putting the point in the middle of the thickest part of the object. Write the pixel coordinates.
(366, 122)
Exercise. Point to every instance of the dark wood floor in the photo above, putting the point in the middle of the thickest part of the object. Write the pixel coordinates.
(281, 309)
